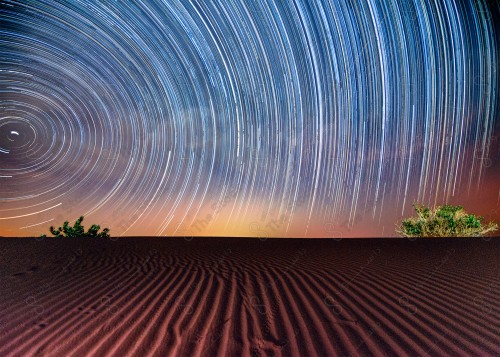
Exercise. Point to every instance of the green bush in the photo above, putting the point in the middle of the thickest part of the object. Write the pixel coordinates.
(78, 230)
(444, 221)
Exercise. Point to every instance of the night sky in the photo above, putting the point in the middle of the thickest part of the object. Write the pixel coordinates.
(286, 118)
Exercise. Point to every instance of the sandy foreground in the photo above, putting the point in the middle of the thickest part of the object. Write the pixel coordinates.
(232, 297)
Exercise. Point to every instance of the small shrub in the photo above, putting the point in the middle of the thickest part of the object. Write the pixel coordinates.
(77, 230)
(444, 221)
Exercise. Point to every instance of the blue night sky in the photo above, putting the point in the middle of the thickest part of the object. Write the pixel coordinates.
(287, 118)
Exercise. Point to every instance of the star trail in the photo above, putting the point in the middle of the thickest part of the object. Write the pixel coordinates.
(288, 118)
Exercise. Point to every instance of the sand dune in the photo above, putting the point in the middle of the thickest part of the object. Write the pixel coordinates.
(231, 297)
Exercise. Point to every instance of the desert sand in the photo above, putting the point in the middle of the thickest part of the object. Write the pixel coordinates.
(232, 297)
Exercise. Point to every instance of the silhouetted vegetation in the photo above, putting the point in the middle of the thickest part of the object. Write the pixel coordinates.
(66, 231)
(444, 221)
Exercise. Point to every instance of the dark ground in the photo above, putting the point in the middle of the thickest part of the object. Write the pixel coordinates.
(235, 296)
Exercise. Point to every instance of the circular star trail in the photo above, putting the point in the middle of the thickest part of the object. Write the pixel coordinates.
(243, 118)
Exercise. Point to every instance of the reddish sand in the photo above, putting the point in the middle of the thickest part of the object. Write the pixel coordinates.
(232, 297)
